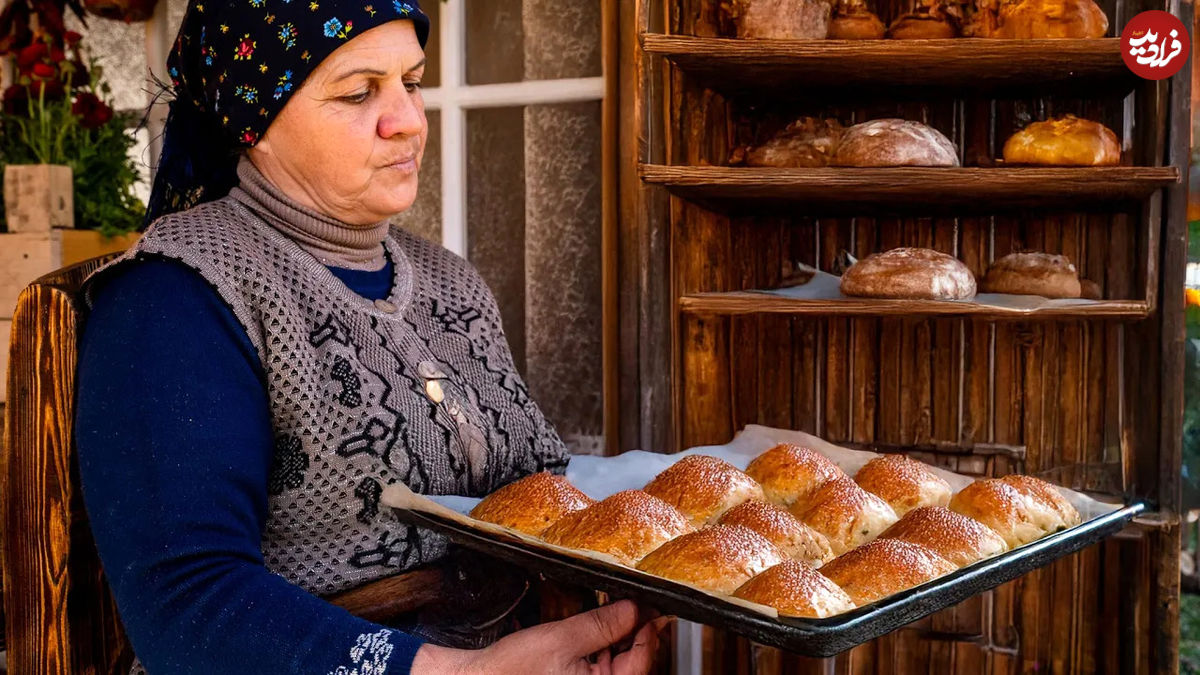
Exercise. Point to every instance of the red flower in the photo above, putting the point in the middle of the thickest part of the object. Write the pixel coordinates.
(79, 75)
(44, 71)
(91, 110)
(57, 55)
(72, 37)
(15, 98)
(30, 55)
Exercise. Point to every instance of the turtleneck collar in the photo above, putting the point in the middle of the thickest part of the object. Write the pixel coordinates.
(329, 240)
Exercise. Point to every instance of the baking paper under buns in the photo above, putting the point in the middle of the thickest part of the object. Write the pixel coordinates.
(1050, 276)
(955, 537)
(795, 539)
(790, 474)
(718, 558)
(795, 589)
(779, 19)
(1064, 141)
(703, 487)
(903, 482)
(909, 273)
(1049, 19)
(846, 514)
(894, 142)
(883, 567)
(627, 526)
(532, 504)
(1005, 509)
(806, 143)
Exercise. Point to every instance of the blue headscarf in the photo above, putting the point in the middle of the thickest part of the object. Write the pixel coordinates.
(234, 65)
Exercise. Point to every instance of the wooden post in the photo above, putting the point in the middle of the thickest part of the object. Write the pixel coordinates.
(38, 197)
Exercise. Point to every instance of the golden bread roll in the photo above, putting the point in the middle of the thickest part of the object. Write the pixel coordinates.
(790, 474)
(852, 20)
(1064, 141)
(1005, 509)
(1050, 19)
(903, 482)
(883, 567)
(703, 488)
(795, 589)
(1050, 276)
(922, 26)
(718, 558)
(779, 19)
(532, 504)
(794, 538)
(805, 143)
(955, 537)
(894, 142)
(627, 526)
(846, 514)
(1047, 495)
(910, 273)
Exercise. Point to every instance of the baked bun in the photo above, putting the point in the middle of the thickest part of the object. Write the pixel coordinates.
(795, 589)
(922, 26)
(779, 19)
(703, 488)
(894, 142)
(910, 273)
(883, 567)
(806, 143)
(795, 539)
(846, 514)
(1090, 290)
(903, 482)
(955, 537)
(1064, 141)
(1005, 509)
(718, 558)
(532, 504)
(853, 21)
(1050, 276)
(1046, 495)
(1037, 19)
(627, 526)
(790, 474)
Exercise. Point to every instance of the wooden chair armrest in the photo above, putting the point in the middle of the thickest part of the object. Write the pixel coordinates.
(390, 597)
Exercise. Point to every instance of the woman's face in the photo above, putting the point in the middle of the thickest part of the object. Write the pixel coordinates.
(349, 142)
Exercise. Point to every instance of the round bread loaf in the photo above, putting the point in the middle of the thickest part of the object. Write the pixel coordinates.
(1090, 290)
(805, 143)
(1064, 141)
(1005, 509)
(703, 488)
(1050, 276)
(955, 537)
(857, 23)
(883, 567)
(1048, 497)
(922, 26)
(531, 504)
(1049, 19)
(780, 19)
(894, 142)
(718, 558)
(790, 474)
(627, 526)
(846, 514)
(795, 539)
(909, 273)
(795, 589)
(903, 482)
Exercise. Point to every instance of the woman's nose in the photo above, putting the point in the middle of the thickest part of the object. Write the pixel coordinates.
(405, 117)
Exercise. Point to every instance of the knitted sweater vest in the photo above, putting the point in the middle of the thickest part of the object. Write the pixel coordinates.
(418, 388)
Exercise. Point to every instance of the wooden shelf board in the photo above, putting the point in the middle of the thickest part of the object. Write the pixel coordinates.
(747, 302)
(733, 65)
(905, 188)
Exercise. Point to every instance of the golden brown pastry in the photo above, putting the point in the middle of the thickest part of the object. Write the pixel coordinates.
(883, 567)
(894, 142)
(1046, 495)
(1064, 141)
(853, 21)
(795, 589)
(846, 514)
(627, 526)
(903, 482)
(909, 273)
(806, 143)
(718, 558)
(955, 537)
(790, 474)
(1050, 276)
(703, 488)
(779, 19)
(1089, 289)
(1047, 19)
(794, 538)
(532, 504)
(1007, 510)
(922, 26)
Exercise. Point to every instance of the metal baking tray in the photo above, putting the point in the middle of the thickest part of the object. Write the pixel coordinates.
(810, 637)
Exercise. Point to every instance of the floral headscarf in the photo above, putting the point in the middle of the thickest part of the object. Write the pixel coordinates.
(234, 65)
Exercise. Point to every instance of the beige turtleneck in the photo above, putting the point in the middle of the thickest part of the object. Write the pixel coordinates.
(333, 242)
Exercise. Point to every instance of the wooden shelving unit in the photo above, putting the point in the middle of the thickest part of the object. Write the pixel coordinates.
(735, 303)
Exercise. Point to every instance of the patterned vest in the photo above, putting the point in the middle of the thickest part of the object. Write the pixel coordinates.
(419, 388)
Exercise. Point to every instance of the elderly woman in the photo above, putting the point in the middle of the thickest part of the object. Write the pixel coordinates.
(271, 354)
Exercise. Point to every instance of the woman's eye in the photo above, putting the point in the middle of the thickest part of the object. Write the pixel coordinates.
(356, 98)
(412, 86)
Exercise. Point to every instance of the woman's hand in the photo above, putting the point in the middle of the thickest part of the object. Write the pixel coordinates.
(565, 646)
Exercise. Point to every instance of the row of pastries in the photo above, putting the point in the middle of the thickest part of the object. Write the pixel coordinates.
(793, 531)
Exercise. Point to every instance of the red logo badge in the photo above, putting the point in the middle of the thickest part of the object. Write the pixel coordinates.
(1155, 44)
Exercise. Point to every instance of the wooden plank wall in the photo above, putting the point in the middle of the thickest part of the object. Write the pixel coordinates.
(1060, 390)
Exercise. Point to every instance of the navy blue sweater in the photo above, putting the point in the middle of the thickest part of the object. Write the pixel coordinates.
(174, 438)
